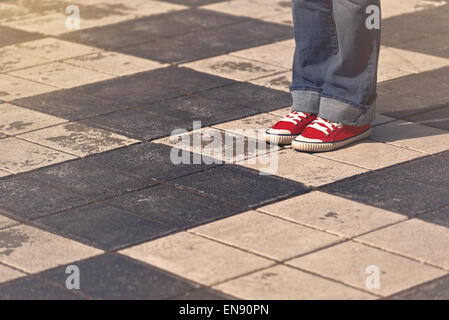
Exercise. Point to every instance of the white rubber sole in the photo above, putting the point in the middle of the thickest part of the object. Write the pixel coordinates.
(279, 139)
(328, 146)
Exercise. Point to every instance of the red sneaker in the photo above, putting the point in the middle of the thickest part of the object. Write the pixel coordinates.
(289, 127)
(323, 135)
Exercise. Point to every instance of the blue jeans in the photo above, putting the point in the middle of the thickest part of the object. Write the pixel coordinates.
(336, 58)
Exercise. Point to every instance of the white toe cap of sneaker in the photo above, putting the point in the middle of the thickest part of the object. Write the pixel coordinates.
(304, 139)
(279, 132)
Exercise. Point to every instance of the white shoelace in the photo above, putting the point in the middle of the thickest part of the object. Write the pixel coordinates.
(316, 124)
(295, 117)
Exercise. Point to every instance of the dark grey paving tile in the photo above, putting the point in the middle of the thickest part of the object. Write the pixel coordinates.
(406, 114)
(130, 92)
(432, 170)
(241, 185)
(151, 28)
(195, 108)
(391, 193)
(437, 118)
(148, 160)
(88, 180)
(69, 104)
(174, 206)
(23, 197)
(153, 86)
(139, 124)
(188, 80)
(257, 98)
(113, 276)
(413, 26)
(414, 91)
(435, 45)
(434, 290)
(9, 36)
(431, 20)
(34, 289)
(203, 294)
(440, 217)
(208, 43)
(103, 227)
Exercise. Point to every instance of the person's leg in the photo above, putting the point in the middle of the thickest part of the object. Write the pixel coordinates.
(349, 90)
(316, 42)
(348, 93)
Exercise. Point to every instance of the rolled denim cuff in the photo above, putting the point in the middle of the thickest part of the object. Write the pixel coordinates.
(306, 100)
(347, 113)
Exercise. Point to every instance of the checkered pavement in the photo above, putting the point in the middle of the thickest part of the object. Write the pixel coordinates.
(86, 177)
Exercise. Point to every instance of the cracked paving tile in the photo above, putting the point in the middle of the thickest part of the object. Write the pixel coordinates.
(33, 250)
(78, 139)
(16, 120)
(19, 156)
(235, 68)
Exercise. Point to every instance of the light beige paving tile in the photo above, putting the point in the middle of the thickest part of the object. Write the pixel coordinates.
(281, 112)
(7, 274)
(290, 43)
(16, 120)
(54, 49)
(33, 250)
(266, 235)
(50, 24)
(219, 145)
(423, 62)
(92, 14)
(308, 169)
(6, 222)
(348, 262)
(281, 81)
(253, 9)
(14, 88)
(333, 214)
(196, 258)
(114, 63)
(252, 127)
(395, 63)
(11, 59)
(284, 283)
(391, 8)
(61, 75)
(11, 11)
(78, 139)
(283, 18)
(235, 68)
(4, 173)
(134, 8)
(275, 54)
(19, 156)
(392, 65)
(413, 136)
(414, 238)
(372, 155)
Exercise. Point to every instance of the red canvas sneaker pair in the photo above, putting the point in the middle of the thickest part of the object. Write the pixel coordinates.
(307, 132)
